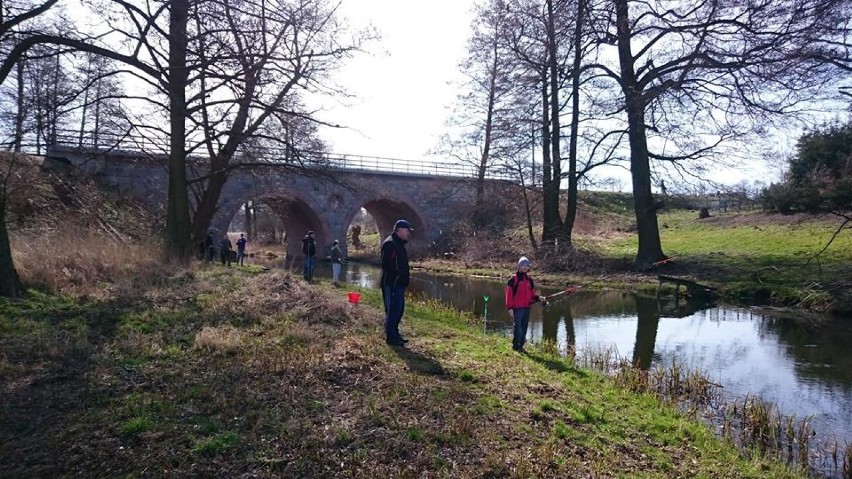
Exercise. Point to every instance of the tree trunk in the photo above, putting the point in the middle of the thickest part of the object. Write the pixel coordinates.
(550, 212)
(528, 211)
(552, 192)
(207, 206)
(480, 217)
(489, 129)
(10, 285)
(571, 209)
(249, 235)
(85, 107)
(97, 128)
(650, 249)
(178, 227)
(551, 168)
(54, 104)
(19, 115)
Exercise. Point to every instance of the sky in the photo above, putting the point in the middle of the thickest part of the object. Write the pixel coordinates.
(402, 86)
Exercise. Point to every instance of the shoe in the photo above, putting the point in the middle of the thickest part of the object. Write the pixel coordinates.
(395, 342)
(403, 339)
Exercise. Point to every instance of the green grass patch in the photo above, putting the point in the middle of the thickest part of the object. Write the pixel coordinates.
(562, 430)
(414, 434)
(136, 425)
(217, 444)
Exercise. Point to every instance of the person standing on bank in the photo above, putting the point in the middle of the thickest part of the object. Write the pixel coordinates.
(520, 295)
(209, 248)
(309, 249)
(395, 278)
(336, 261)
(225, 250)
(241, 250)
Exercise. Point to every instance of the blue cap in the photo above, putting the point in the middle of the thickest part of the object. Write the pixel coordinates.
(402, 224)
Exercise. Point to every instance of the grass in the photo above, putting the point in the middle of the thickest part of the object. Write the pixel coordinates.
(262, 375)
(755, 256)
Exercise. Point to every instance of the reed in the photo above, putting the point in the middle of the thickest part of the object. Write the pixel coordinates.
(755, 426)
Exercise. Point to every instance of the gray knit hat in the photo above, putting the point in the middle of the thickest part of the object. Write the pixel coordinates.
(523, 262)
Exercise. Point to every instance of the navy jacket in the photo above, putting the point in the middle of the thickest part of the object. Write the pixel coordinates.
(394, 262)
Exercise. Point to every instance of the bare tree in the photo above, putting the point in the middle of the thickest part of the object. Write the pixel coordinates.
(481, 124)
(101, 112)
(258, 57)
(13, 21)
(248, 59)
(695, 75)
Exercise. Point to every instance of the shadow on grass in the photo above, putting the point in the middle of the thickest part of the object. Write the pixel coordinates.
(419, 363)
(558, 365)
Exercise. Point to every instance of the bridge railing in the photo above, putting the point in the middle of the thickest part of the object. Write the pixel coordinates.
(153, 146)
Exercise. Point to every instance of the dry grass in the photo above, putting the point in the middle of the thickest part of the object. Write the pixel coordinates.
(76, 260)
(222, 338)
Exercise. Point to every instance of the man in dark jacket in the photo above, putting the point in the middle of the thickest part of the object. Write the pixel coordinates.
(225, 248)
(309, 249)
(395, 278)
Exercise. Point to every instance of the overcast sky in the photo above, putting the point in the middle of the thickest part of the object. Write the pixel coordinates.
(401, 86)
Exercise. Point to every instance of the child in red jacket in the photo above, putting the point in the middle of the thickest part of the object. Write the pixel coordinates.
(520, 295)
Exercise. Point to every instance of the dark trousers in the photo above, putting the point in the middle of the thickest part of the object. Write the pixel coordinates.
(394, 299)
(225, 256)
(522, 321)
(308, 268)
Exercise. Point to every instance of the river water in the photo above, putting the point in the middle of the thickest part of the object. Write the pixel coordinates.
(805, 370)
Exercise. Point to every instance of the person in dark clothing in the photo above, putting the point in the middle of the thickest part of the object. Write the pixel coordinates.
(336, 262)
(520, 295)
(208, 248)
(241, 250)
(225, 248)
(309, 249)
(395, 278)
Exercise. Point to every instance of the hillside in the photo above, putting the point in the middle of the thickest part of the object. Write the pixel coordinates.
(68, 232)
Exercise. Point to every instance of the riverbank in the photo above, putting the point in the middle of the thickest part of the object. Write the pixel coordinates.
(750, 258)
(227, 372)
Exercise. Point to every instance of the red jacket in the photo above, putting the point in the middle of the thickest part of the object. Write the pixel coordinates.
(522, 294)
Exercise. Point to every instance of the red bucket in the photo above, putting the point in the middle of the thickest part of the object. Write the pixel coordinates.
(354, 297)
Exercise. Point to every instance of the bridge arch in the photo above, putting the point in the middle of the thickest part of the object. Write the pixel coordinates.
(386, 210)
(295, 213)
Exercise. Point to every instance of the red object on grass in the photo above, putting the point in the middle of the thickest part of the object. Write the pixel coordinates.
(354, 297)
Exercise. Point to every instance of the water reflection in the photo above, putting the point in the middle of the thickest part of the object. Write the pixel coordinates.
(648, 319)
(805, 370)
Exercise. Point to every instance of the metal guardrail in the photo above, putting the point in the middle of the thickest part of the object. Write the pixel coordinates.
(157, 147)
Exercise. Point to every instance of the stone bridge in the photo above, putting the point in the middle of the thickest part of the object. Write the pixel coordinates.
(431, 196)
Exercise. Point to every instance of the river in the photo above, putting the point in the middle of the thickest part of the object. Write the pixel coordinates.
(806, 370)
